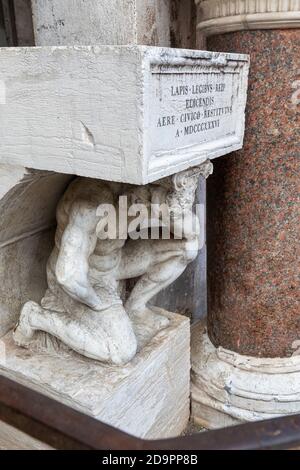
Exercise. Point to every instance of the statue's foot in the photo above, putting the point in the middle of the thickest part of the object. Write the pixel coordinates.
(23, 332)
(147, 322)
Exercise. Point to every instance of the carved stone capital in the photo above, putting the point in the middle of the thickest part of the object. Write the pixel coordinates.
(223, 16)
(185, 178)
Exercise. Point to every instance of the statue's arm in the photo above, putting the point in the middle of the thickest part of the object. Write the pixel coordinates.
(183, 219)
(77, 244)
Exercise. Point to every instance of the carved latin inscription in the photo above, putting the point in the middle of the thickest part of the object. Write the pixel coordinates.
(192, 106)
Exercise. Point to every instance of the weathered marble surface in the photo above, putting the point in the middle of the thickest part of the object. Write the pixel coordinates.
(254, 207)
(148, 398)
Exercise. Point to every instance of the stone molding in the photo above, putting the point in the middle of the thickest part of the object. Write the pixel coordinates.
(228, 388)
(224, 16)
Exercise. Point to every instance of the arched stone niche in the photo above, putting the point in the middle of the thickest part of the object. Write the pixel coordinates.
(28, 200)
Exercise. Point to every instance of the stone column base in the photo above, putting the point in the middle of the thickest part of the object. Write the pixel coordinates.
(228, 388)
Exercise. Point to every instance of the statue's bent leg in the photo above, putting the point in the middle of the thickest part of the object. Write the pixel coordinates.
(162, 262)
(106, 337)
(158, 278)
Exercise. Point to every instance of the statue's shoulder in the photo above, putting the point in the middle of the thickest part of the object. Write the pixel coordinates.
(88, 189)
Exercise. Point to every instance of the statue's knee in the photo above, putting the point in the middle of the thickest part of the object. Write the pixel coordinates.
(122, 340)
(124, 352)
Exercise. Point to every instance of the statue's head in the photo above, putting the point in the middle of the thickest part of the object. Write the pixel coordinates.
(183, 185)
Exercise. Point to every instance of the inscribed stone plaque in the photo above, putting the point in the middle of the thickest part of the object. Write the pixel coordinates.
(197, 107)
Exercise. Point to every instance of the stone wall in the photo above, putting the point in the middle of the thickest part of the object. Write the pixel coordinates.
(2, 31)
(28, 201)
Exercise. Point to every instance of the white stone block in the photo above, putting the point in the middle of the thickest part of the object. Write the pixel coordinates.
(147, 398)
(70, 22)
(122, 113)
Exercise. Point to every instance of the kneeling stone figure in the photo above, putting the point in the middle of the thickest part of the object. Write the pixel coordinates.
(83, 305)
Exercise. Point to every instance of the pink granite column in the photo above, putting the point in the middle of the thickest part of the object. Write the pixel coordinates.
(254, 207)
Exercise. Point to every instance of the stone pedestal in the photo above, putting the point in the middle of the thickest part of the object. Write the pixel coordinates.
(229, 388)
(173, 109)
(253, 222)
(147, 398)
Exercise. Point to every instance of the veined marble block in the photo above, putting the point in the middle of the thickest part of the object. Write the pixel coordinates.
(120, 113)
(149, 397)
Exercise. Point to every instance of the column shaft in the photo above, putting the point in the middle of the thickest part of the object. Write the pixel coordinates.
(254, 207)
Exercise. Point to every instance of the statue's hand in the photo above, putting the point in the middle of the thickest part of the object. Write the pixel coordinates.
(100, 306)
(80, 289)
(93, 301)
(186, 223)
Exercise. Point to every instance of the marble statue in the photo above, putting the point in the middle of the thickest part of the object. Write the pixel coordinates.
(86, 306)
